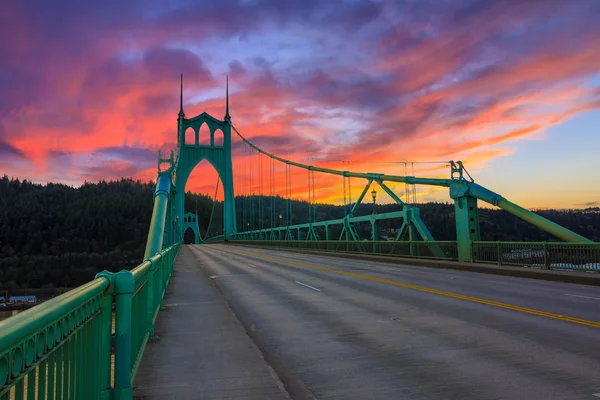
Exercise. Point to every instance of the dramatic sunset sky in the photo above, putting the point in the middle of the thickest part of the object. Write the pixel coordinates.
(89, 90)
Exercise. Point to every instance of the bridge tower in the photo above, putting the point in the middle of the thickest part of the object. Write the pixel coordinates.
(190, 154)
(190, 221)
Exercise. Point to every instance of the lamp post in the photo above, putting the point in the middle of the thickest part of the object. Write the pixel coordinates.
(374, 194)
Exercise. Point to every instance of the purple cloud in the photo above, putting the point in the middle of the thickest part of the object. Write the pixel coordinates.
(9, 151)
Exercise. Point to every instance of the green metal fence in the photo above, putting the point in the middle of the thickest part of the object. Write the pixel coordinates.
(62, 349)
(551, 255)
(446, 250)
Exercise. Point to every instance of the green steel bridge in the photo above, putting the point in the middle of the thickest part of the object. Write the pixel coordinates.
(88, 343)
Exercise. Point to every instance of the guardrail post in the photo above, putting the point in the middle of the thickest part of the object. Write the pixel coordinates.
(545, 250)
(124, 288)
(163, 278)
(106, 391)
(150, 299)
(498, 255)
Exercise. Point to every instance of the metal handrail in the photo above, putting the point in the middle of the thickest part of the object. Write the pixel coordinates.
(550, 255)
(63, 346)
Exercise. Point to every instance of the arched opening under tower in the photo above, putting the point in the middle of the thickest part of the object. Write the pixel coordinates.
(189, 237)
(202, 186)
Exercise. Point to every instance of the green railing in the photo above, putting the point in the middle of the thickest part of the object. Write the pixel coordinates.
(551, 255)
(63, 348)
(446, 250)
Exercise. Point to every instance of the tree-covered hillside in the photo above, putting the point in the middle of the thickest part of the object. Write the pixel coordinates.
(54, 235)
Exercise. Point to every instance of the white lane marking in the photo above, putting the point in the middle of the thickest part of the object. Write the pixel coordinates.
(253, 266)
(584, 297)
(596, 394)
(308, 286)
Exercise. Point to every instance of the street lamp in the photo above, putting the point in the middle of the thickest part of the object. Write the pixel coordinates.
(374, 194)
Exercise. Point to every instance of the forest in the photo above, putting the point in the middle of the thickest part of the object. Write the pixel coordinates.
(55, 235)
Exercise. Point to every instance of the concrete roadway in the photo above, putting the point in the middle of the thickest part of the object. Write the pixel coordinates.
(336, 328)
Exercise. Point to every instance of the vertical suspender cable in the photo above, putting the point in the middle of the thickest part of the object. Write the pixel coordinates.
(314, 206)
(349, 190)
(291, 203)
(259, 193)
(262, 200)
(252, 199)
(414, 188)
(309, 198)
(287, 206)
(344, 182)
(405, 186)
(273, 204)
(270, 193)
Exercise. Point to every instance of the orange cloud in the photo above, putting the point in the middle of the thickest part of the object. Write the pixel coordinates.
(450, 83)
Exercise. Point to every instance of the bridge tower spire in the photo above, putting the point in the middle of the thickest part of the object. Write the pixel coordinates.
(181, 113)
(227, 117)
(192, 149)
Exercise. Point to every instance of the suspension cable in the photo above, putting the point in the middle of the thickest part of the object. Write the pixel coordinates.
(382, 177)
(212, 211)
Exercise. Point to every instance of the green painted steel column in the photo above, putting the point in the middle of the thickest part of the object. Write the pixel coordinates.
(229, 216)
(467, 227)
(124, 288)
(374, 230)
(159, 214)
(105, 346)
(375, 235)
(150, 297)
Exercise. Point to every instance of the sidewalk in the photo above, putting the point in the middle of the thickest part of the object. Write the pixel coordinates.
(201, 350)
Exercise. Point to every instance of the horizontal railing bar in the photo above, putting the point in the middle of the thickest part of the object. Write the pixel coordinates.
(31, 321)
(141, 270)
(390, 242)
(493, 243)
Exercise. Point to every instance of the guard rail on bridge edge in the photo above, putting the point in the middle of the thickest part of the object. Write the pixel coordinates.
(63, 348)
(548, 255)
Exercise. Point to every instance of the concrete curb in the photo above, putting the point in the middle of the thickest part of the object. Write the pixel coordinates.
(580, 278)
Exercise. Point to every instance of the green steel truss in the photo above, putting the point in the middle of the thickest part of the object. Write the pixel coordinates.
(463, 190)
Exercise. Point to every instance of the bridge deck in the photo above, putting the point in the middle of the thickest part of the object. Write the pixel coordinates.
(339, 328)
(201, 350)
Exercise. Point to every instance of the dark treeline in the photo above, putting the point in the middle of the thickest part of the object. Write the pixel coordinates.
(58, 236)
(55, 235)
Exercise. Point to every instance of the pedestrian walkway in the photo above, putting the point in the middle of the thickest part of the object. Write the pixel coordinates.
(201, 350)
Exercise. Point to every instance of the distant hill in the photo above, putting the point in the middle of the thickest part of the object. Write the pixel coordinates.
(55, 235)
